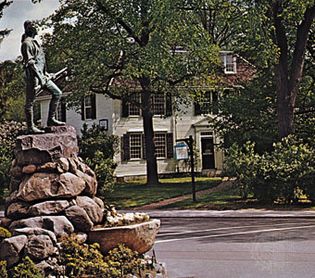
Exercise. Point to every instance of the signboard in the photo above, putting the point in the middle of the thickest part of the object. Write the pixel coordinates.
(103, 123)
(181, 151)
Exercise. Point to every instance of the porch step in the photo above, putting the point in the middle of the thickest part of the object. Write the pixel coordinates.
(211, 173)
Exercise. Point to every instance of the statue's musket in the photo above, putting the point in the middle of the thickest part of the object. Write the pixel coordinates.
(54, 77)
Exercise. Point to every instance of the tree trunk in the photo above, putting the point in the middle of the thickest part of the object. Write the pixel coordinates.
(288, 77)
(152, 170)
(285, 107)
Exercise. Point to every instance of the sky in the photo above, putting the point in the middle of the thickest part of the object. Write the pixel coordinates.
(14, 17)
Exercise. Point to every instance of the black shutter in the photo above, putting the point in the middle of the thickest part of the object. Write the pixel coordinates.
(125, 150)
(63, 110)
(124, 108)
(93, 103)
(168, 105)
(169, 142)
(215, 103)
(144, 149)
(197, 109)
(82, 109)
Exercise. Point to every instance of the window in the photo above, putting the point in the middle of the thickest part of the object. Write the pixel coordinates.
(161, 105)
(160, 145)
(133, 146)
(208, 104)
(133, 109)
(229, 63)
(158, 103)
(88, 108)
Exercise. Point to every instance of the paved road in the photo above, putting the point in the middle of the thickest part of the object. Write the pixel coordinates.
(237, 247)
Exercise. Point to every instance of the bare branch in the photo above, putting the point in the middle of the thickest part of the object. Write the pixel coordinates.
(120, 21)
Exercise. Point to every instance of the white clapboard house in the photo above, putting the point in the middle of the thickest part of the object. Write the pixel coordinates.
(125, 121)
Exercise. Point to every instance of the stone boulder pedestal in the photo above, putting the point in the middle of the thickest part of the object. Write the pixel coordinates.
(52, 195)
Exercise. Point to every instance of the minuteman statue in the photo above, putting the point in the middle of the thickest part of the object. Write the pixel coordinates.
(37, 77)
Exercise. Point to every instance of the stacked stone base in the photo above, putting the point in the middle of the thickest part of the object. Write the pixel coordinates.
(52, 195)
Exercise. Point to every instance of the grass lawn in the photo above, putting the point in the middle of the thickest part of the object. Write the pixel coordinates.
(136, 193)
(230, 199)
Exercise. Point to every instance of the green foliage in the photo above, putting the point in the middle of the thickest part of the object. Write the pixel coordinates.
(4, 233)
(3, 269)
(94, 140)
(27, 269)
(97, 148)
(248, 114)
(86, 260)
(276, 176)
(156, 28)
(11, 91)
(9, 130)
(82, 259)
(123, 261)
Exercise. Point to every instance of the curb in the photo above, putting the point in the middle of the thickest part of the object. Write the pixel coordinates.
(243, 213)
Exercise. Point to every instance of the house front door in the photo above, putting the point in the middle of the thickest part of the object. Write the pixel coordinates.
(207, 151)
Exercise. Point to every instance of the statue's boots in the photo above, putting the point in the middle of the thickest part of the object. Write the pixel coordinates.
(52, 121)
(31, 128)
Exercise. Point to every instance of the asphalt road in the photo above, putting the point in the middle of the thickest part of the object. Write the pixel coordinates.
(237, 247)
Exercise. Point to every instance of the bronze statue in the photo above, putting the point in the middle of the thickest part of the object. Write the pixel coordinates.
(37, 78)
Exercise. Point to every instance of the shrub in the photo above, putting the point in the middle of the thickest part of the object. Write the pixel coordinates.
(274, 176)
(27, 269)
(122, 261)
(4, 233)
(86, 260)
(3, 269)
(82, 259)
(97, 148)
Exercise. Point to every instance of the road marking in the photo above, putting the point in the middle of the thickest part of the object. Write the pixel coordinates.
(234, 234)
(220, 229)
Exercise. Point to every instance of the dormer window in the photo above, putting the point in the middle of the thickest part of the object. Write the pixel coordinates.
(229, 62)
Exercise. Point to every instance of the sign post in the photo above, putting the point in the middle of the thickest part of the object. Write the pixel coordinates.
(182, 153)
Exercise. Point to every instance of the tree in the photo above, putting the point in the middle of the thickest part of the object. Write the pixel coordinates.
(222, 19)
(274, 35)
(129, 50)
(282, 28)
(11, 91)
(3, 5)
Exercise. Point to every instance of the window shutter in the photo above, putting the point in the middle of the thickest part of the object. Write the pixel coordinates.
(124, 108)
(93, 103)
(144, 149)
(197, 109)
(125, 150)
(215, 103)
(82, 109)
(63, 110)
(169, 141)
(168, 105)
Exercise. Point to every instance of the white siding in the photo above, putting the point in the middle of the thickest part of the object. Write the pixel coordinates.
(104, 110)
(182, 126)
